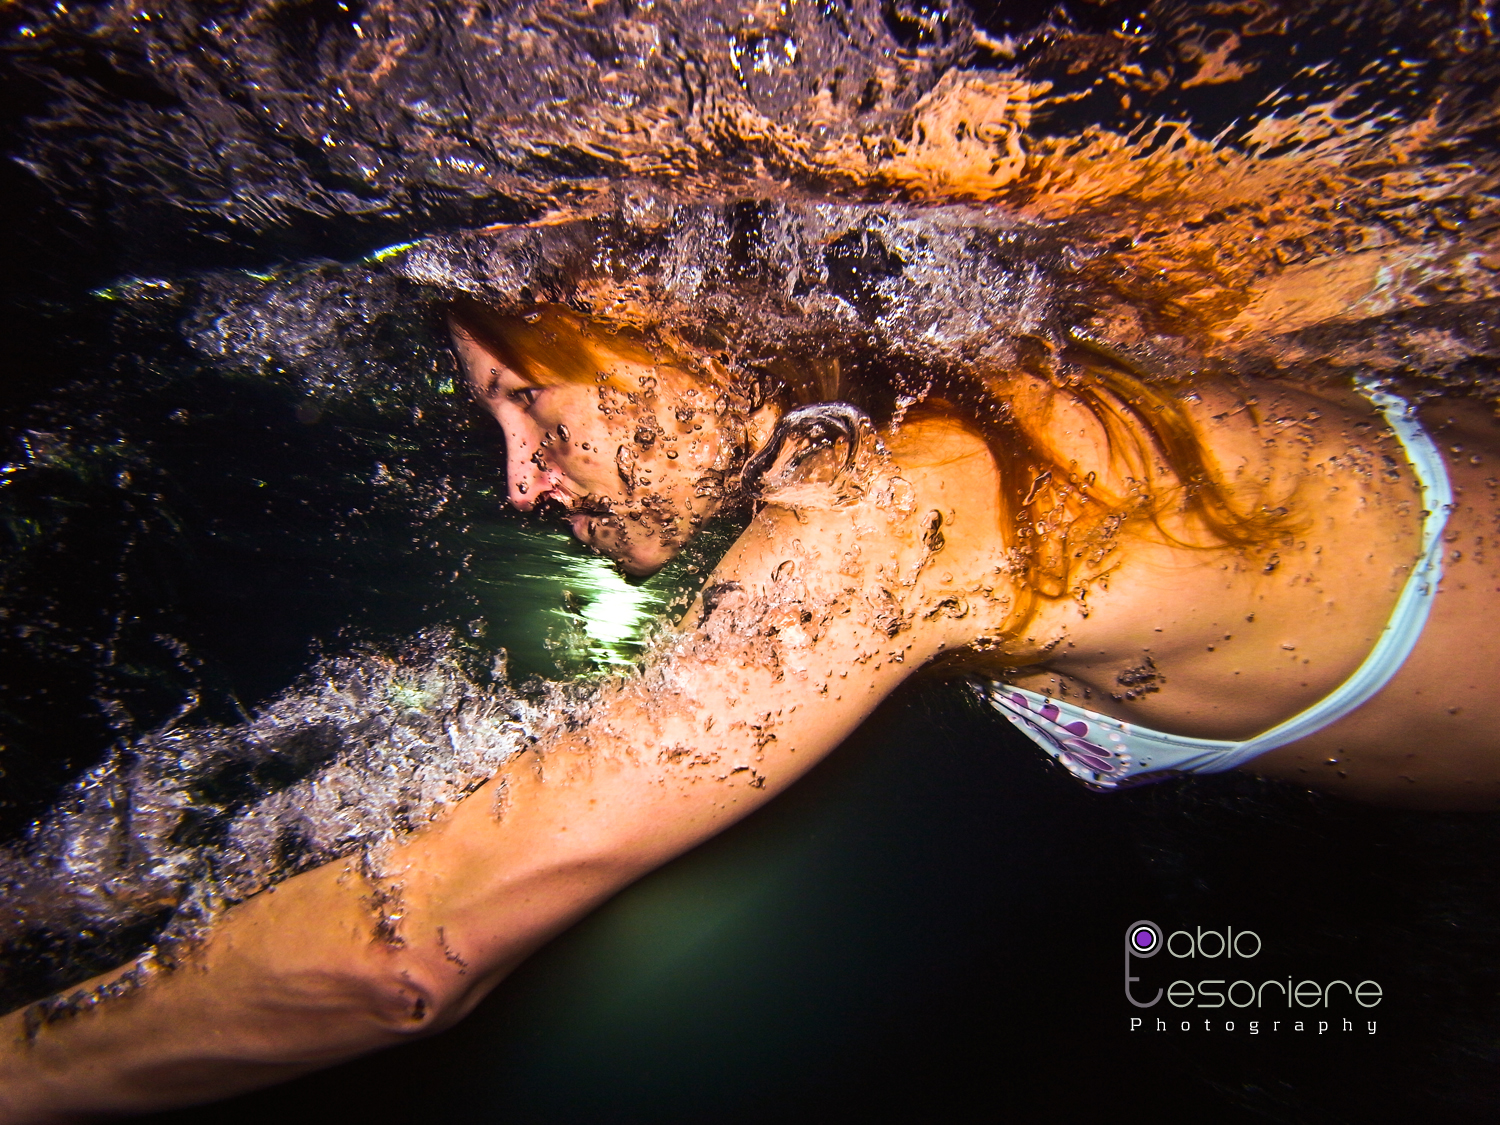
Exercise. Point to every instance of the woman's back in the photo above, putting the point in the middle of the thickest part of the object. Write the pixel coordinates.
(1226, 642)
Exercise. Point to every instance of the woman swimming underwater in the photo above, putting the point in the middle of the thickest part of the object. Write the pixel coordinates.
(1086, 466)
(1286, 579)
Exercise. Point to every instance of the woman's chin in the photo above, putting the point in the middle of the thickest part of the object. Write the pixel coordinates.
(638, 568)
(641, 559)
(637, 559)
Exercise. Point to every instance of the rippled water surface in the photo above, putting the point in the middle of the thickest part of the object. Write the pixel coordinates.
(263, 603)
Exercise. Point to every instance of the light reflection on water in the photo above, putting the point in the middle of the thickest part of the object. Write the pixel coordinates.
(555, 608)
(615, 614)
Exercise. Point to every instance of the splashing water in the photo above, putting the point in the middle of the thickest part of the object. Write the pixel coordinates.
(186, 821)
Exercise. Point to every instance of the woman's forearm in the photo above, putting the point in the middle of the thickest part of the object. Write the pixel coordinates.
(328, 965)
(287, 982)
(332, 964)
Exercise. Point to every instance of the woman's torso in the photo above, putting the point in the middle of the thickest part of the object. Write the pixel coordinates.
(1429, 739)
(1226, 643)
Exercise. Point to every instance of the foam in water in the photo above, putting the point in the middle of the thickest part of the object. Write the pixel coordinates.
(186, 821)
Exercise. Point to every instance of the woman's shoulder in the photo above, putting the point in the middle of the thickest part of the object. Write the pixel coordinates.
(928, 462)
(910, 518)
(934, 440)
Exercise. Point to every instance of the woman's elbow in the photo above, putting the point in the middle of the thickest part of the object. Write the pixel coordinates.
(321, 1014)
(403, 1003)
(409, 996)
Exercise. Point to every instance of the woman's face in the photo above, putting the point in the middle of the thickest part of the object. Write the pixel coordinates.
(636, 460)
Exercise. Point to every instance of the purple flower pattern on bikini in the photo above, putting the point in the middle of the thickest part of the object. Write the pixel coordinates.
(1067, 742)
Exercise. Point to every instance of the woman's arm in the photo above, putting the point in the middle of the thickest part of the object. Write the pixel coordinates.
(810, 622)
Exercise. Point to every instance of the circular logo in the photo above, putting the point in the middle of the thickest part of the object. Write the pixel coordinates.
(1143, 939)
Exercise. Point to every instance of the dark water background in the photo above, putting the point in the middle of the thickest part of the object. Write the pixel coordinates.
(929, 927)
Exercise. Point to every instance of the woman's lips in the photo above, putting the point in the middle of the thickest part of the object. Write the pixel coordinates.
(580, 512)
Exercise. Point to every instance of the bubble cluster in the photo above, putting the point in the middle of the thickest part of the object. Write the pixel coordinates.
(175, 826)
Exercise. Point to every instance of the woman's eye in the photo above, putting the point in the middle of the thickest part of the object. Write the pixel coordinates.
(525, 395)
